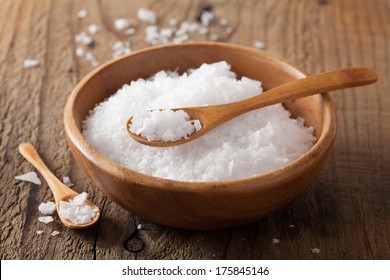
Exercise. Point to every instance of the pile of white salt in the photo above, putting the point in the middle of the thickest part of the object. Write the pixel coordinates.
(256, 142)
(163, 125)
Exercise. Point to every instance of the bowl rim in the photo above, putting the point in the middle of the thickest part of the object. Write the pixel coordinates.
(279, 175)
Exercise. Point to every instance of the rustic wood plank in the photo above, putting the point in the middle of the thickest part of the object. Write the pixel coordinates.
(345, 212)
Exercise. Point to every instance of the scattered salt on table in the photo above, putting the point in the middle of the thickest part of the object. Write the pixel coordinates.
(82, 13)
(164, 125)
(275, 241)
(46, 219)
(29, 177)
(122, 23)
(54, 233)
(259, 45)
(250, 144)
(47, 208)
(315, 250)
(39, 232)
(93, 29)
(66, 181)
(30, 63)
(77, 210)
(147, 15)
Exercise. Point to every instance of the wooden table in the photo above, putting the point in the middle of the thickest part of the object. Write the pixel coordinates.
(345, 213)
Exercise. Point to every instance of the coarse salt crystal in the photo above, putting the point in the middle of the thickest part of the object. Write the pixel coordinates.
(147, 15)
(39, 232)
(315, 250)
(47, 208)
(84, 38)
(129, 31)
(223, 21)
(45, 219)
(163, 125)
(275, 241)
(122, 23)
(259, 45)
(173, 21)
(82, 13)
(54, 233)
(93, 29)
(29, 177)
(30, 63)
(139, 226)
(207, 17)
(66, 181)
(77, 210)
(80, 52)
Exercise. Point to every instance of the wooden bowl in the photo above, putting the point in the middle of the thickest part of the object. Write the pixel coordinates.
(199, 205)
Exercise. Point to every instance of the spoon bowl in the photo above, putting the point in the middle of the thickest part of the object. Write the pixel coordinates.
(213, 116)
(60, 191)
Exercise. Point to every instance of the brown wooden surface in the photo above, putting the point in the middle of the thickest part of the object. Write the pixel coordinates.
(346, 211)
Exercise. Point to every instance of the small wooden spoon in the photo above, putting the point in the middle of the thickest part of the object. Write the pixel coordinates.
(213, 116)
(60, 191)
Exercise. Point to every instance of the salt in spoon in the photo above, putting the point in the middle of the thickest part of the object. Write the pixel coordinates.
(60, 191)
(213, 116)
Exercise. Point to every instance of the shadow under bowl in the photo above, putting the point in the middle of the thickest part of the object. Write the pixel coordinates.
(199, 205)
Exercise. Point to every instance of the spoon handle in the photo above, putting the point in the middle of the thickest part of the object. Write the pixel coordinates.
(57, 187)
(318, 83)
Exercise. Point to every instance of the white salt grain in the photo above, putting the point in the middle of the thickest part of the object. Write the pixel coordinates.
(47, 208)
(39, 232)
(163, 125)
(129, 31)
(29, 177)
(54, 233)
(82, 13)
(30, 63)
(139, 226)
(93, 29)
(122, 23)
(173, 21)
(275, 241)
(45, 219)
(84, 38)
(66, 181)
(259, 45)
(80, 52)
(207, 17)
(147, 15)
(251, 144)
(315, 250)
(77, 210)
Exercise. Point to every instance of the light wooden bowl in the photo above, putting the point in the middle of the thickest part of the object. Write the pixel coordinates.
(199, 205)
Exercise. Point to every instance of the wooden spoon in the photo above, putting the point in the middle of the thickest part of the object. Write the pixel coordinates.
(213, 116)
(60, 191)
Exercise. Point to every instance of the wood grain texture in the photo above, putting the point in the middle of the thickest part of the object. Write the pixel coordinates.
(346, 211)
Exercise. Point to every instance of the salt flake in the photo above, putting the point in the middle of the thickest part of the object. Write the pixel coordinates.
(47, 208)
(46, 219)
(147, 15)
(29, 177)
(30, 63)
(54, 233)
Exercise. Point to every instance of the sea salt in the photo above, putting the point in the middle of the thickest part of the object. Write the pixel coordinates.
(82, 13)
(147, 15)
(47, 208)
(84, 38)
(315, 250)
(54, 233)
(39, 232)
(29, 177)
(164, 125)
(45, 219)
(275, 241)
(93, 29)
(77, 210)
(253, 143)
(66, 181)
(30, 63)
(122, 23)
(259, 45)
